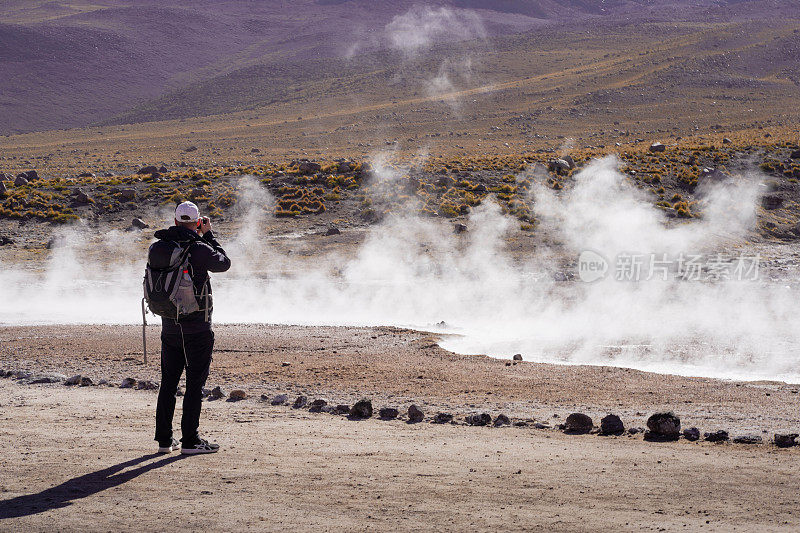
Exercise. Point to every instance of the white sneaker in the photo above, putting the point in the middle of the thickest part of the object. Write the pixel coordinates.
(201, 446)
(163, 447)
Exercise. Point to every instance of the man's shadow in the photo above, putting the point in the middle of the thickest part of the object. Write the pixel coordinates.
(80, 487)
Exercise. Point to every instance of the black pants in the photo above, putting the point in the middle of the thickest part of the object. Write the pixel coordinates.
(192, 351)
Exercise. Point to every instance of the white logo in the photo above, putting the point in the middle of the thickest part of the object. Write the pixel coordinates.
(591, 266)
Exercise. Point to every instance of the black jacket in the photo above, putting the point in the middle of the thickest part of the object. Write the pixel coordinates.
(205, 255)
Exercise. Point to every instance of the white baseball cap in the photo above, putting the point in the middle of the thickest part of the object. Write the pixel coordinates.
(187, 212)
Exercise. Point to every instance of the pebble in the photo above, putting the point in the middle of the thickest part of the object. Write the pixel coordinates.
(317, 405)
(86, 382)
(611, 424)
(483, 419)
(280, 399)
(747, 439)
(127, 383)
(502, 420)
(146, 384)
(442, 418)
(216, 393)
(717, 436)
(663, 426)
(785, 440)
(74, 380)
(237, 395)
(362, 409)
(300, 402)
(691, 434)
(415, 414)
(342, 409)
(388, 413)
(578, 423)
(517, 357)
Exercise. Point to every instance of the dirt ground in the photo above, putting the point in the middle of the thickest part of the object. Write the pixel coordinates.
(87, 463)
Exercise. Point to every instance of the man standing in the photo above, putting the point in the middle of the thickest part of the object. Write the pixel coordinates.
(187, 340)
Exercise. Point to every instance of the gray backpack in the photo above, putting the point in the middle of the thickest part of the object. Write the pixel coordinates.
(168, 286)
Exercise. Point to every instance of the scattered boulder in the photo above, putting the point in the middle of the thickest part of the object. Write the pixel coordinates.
(725, 140)
(691, 434)
(127, 383)
(30, 175)
(189, 149)
(747, 439)
(415, 414)
(20, 181)
(569, 160)
(342, 409)
(127, 194)
(578, 423)
(255, 151)
(343, 167)
(332, 230)
(74, 380)
(611, 424)
(150, 169)
(237, 395)
(317, 405)
(657, 147)
(663, 426)
(388, 413)
(502, 420)
(483, 419)
(138, 223)
(162, 169)
(795, 154)
(81, 197)
(146, 384)
(308, 167)
(717, 436)
(558, 166)
(771, 201)
(300, 402)
(216, 393)
(442, 418)
(5, 240)
(362, 409)
(280, 399)
(86, 382)
(785, 440)
(459, 228)
(517, 357)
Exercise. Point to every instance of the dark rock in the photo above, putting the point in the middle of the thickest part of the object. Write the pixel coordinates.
(281, 399)
(317, 405)
(611, 425)
(162, 169)
(415, 414)
(539, 425)
(216, 393)
(343, 167)
(795, 154)
(502, 420)
(178, 392)
(388, 413)
(480, 188)
(558, 166)
(127, 383)
(717, 436)
(151, 169)
(747, 439)
(725, 140)
(307, 167)
(19, 181)
(237, 395)
(146, 384)
(482, 419)
(188, 149)
(517, 357)
(81, 197)
(5, 240)
(86, 175)
(127, 194)
(3, 188)
(442, 418)
(578, 423)
(444, 181)
(362, 409)
(332, 230)
(255, 151)
(342, 409)
(300, 402)
(691, 434)
(74, 380)
(139, 223)
(771, 201)
(657, 147)
(30, 175)
(569, 160)
(786, 440)
(86, 382)
(663, 426)
(459, 228)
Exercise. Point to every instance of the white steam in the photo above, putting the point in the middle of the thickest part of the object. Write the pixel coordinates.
(422, 26)
(416, 272)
